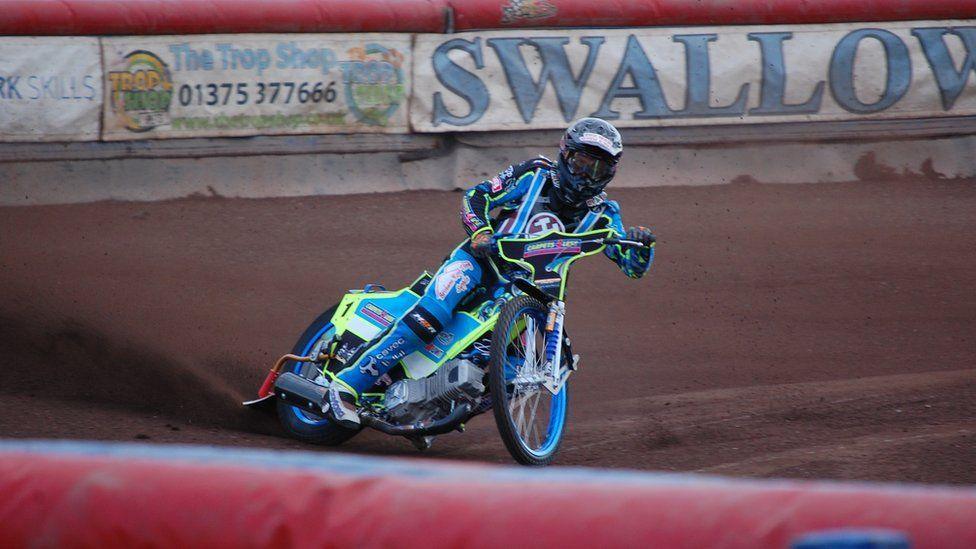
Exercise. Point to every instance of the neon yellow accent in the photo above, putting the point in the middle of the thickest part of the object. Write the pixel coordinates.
(519, 328)
(563, 267)
(486, 228)
(347, 386)
(425, 273)
(473, 336)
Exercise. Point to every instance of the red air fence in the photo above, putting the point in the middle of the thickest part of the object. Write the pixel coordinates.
(101, 17)
(125, 495)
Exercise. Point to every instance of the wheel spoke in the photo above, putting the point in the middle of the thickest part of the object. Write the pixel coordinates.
(532, 425)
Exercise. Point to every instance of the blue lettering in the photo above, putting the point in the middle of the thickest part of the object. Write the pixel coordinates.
(461, 82)
(32, 84)
(90, 86)
(46, 85)
(773, 87)
(189, 59)
(646, 88)
(951, 82)
(12, 90)
(291, 56)
(899, 65)
(698, 70)
(555, 68)
(232, 58)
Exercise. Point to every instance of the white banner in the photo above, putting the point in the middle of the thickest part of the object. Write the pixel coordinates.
(191, 86)
(50, 89)
(531, 79)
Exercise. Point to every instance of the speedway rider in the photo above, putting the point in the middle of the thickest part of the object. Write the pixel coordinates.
(571, 195)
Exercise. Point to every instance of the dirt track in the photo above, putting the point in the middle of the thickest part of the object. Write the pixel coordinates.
(802, 331)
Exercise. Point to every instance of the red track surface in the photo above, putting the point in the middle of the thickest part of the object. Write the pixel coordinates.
(786, 330)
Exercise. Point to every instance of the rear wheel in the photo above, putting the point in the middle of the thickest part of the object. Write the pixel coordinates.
(297, 422)
(530, 419)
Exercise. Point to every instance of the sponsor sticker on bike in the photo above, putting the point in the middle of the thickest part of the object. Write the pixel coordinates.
(544, 222)
(453, 277)
(553, 247)
(375, 313)
(434, 351)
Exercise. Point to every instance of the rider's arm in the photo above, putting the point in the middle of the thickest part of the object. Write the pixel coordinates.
(507, 186)
(634, 262)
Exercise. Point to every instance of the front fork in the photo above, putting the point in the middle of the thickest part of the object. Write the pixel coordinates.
(554, 348)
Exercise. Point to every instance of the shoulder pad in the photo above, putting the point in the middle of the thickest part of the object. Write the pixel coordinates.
(531, 165)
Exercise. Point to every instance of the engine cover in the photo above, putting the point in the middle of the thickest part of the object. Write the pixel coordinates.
(412, 400)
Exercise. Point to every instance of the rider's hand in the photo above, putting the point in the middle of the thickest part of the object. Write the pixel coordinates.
(481, 245)
(642, 235)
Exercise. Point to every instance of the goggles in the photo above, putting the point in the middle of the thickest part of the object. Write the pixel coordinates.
(582, 164)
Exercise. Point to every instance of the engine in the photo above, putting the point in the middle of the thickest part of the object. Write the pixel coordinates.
(412, 400)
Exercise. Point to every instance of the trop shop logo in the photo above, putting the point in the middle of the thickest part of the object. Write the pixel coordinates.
(142, 91)
(373, 80)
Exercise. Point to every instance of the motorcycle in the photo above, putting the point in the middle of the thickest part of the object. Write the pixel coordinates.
(505, 350)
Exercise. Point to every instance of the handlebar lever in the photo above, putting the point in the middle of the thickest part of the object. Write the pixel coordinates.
(626, 242)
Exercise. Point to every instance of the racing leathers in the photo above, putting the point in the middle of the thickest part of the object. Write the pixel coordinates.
(522, 195)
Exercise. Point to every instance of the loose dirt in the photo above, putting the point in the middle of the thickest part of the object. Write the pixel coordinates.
(813, 331)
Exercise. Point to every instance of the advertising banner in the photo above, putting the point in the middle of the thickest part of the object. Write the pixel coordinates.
(232, 85)
(50, 89)
(532, 79)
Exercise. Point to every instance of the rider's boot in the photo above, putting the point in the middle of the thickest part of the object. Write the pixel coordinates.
(342, 406)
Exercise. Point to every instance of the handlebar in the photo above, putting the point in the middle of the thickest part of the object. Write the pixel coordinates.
(607, 241)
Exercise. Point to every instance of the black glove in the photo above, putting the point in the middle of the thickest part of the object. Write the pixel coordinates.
(481, 245)
(642, 235)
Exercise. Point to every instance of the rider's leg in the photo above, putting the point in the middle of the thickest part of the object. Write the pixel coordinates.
(459, 274)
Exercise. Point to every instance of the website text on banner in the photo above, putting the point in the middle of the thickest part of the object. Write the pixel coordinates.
(50, 89)
(231, 85)
(531, 79)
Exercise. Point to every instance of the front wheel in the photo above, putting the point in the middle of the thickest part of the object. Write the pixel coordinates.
(297, 422)
(530, 419)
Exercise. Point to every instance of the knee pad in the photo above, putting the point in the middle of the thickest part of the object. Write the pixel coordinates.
(424, 323)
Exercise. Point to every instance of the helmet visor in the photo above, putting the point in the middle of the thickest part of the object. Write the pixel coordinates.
(594, 168)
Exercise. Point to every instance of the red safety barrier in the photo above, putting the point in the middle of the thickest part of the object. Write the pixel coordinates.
(87, 500)
(101, 17)
(494, 14)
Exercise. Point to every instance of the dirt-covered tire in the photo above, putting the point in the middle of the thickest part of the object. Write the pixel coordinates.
(297, 423)
(503, 392)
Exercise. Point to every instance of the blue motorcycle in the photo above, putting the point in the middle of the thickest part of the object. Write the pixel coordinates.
(506, 350)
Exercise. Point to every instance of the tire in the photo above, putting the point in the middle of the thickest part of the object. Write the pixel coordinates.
(297, 423)
(508, 405)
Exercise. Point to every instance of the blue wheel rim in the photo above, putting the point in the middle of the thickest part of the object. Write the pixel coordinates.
(557, 406)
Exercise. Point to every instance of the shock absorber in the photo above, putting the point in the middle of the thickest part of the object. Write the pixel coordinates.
(554, 330)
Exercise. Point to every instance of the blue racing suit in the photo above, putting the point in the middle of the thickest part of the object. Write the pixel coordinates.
(522, 196)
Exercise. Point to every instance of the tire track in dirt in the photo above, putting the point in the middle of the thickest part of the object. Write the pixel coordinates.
(818, 330)
(805, 429)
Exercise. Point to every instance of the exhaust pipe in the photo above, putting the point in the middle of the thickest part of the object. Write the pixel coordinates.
(301, 392)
